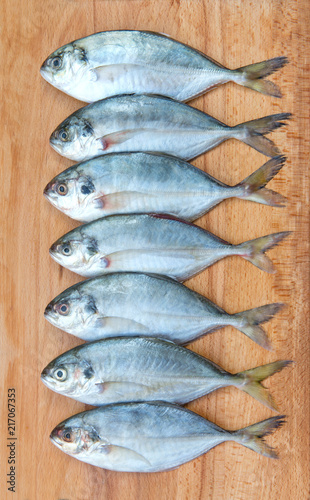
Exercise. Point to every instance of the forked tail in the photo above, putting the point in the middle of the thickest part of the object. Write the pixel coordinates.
(253, 187)
(248, 322)
(252, 76)
(254, 250)
(253, 436)
(250, 381)
(253, 132)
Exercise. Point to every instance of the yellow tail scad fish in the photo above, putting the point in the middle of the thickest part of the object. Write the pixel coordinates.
(123, 369)
(122, 62)
(151, 437)
(147, 123)
(124, 183)
(152, 244)
(129, 304)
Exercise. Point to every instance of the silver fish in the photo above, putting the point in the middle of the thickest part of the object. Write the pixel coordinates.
(132, 123)
(129, 304)
(125, 183)
(150, 437)
(152, 244)
(121, 370)
(122, 62)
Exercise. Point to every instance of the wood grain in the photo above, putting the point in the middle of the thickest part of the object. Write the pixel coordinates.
(235, 33)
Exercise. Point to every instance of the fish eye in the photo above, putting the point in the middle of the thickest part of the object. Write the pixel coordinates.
(60, 374)
(62, 189)
(66, 249)
(56, 62)
(67, 435)
(63, 135)
(63, 309)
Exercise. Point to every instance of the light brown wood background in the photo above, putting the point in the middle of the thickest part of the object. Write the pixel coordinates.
(235, 33)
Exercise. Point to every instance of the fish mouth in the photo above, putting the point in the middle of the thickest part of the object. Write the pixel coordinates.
(47, 191)
(53, 251)
(45, 373)
(54, 142)
(45, 377)
(49, 194)
(50, 314)
(55, 437)
(56, 256)
(43, 69)
(45, 72)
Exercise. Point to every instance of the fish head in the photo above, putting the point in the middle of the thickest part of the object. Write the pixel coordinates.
(68, 375)
(74, 138)
(74, 436)
(65, 67)
(72, 311)
(77, 252)
(71, 192)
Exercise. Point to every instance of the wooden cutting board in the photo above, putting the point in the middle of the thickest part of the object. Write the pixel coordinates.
(235, 33)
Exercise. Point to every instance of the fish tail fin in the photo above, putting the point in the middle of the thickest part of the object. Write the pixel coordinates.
(254, 185)
(252, 76)
(253, 132)
(248, 322)
(253, 436)
(249, 381)
(254, 250)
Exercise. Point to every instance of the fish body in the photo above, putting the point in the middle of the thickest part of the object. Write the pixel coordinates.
(150, 437)
(121, 62)
(151, 244)
(145, 369)
(125, 183)
(129, 304)
(147, 123)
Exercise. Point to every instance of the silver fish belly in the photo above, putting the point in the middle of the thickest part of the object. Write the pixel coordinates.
(146, 369)
(151, 244)
(124, 183)
(131, 123)
(150, 437)
(121, 62)
(123, 304)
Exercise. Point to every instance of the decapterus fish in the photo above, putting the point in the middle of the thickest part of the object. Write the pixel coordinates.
(122, 62)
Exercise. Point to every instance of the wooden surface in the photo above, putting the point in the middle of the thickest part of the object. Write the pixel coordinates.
(235, 33)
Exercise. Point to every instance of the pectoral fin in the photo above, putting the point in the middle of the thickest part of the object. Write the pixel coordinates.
(124, 456)
(113, 72)
(118, 201)
(117, 325)
(116, 138)
(126, 390)
(166, 256)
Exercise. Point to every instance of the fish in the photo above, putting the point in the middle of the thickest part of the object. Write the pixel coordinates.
(147, 123)
(122, 62)
(158, 244)
(120, 370)
(130, 304)
(132, 183)
(151, 437)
